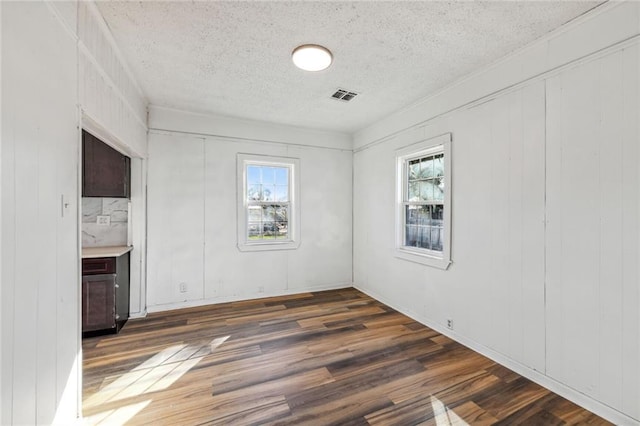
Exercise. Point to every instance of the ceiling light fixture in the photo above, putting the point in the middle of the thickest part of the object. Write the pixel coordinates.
(312, 57)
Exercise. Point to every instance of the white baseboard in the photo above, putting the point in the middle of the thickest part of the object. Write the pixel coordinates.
(585, 401)
(226, 299)
(136, 315)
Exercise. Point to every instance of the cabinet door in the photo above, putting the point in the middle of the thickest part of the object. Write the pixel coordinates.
(122, 288)
(98, 302)
(105, 171)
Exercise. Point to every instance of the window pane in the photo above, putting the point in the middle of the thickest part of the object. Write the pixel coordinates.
(438, 165)
(436, 238)
(268, 229)
(425, 180)
(282, 176)
(414, 169)
(254, 193)
(281, 193)
(417, 223)
(438, 189)
(268, 192)
(268, 222)
(426, 190)
(418, 236)
(253, 175)
(426, 167)
(255, 214)
(268, 175)
(424, 227)
(283, 230)
(414, 191)
(268, 213)
(282, 222)
(282, 213)
(254, 230)
(438, 215)
(267, 183)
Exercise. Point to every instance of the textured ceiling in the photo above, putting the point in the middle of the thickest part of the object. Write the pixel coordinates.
(233, 58)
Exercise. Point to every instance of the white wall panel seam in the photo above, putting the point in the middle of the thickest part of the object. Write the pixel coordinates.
(13, 266)
(622, 243)
(204, 214)
(1, 233)
(598, 175)
(545, 221)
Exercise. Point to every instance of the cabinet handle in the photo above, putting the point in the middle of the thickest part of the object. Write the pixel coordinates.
(117, 286)
(117, 316)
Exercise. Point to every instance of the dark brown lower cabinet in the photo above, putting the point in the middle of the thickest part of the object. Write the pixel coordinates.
(105, 294)
(98, 302)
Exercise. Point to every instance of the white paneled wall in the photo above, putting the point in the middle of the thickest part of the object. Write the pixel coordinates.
(40, 299)
(498, 234)
(108, 93)
(192, 218)
(228, 272)
(592, 235)
(498, 179)
(546, 198)
(175, 219)
(45, 64)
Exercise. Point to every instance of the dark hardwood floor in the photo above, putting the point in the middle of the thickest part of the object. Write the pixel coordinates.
(334, 357)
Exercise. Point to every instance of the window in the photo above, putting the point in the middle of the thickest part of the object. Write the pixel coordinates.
(267, 196)
(424, 202)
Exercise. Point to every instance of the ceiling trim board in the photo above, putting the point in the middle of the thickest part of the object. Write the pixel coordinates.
(175, 120)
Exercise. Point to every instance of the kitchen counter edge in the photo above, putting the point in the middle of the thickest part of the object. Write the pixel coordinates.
(110, 251)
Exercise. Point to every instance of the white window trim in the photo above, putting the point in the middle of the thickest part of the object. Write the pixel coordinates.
(435, 259)
(294, 207)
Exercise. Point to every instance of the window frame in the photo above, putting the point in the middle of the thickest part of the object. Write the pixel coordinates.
(422, 148)
(242, 214)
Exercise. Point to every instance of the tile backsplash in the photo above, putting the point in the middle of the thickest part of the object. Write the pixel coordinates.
(114, 234)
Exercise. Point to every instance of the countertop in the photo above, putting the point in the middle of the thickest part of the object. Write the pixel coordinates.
(111, 251)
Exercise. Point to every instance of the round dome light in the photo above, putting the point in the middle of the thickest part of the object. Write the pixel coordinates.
(311, 57)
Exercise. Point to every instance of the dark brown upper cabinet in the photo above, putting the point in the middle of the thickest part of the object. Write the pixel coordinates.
(105, 171)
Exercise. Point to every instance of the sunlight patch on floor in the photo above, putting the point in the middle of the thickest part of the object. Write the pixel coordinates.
(155, 374)
(116, 417)
(445, 416)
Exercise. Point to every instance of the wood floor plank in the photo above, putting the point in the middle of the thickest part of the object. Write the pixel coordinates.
(319, 358)
(517, 394)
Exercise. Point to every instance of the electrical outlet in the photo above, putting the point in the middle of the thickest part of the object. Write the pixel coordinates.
(183, 287)
(449, 323)
(260, 289)
(103, 220)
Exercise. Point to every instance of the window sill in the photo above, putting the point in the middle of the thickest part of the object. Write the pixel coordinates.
(424, 259)
(285, 245)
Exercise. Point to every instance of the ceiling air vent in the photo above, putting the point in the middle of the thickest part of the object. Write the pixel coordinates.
(344, 95)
